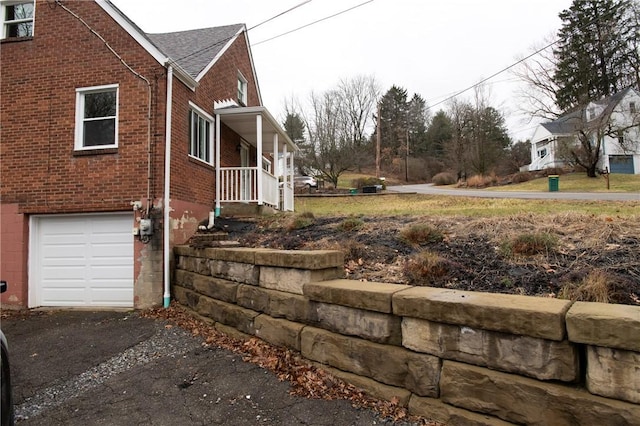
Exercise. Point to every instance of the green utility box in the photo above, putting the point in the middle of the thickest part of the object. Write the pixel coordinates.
(554, 183)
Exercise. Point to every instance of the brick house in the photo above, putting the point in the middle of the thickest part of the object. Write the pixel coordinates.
(117, 144)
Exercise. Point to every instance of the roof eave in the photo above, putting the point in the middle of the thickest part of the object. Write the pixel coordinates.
(142, 39)
(206, 69)
(255, 110)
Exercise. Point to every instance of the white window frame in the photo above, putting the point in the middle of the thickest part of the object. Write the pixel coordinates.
(542, 152)
(80, 120)
(243, 88)
(194, 109)
(5, 22)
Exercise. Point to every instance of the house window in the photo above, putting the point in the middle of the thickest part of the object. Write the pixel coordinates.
(200, 134)
(97, 117)
(632, 107)
(17, 19)
(542, 152)
(242, 90)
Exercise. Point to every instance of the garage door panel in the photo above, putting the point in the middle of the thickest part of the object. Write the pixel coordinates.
(84, 260)
(114, 297)
(112, 274)
(63, 273)
(64, 296)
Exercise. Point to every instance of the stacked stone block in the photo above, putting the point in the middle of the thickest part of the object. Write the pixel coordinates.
(453, 356)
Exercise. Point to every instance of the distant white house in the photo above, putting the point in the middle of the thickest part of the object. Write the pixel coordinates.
(620, 151)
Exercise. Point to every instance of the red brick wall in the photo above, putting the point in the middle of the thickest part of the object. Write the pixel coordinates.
(192, 180)
(39, 80)
(13, 254)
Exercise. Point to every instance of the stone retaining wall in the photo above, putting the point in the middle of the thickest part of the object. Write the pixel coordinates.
(454, 356)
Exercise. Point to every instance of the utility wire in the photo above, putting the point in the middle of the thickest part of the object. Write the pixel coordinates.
(279, 15)
(591, 22)
(455, 95)
(225, 40)
(314, 22)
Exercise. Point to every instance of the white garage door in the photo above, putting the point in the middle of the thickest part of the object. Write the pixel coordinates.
(81, 260)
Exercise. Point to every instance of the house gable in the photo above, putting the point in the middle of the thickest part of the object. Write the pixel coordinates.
(143, 40)
(618, 113)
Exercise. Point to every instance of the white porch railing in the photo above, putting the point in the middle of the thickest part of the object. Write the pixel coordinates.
(270, 190)
(240, 185)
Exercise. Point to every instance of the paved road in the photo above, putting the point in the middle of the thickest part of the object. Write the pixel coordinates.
(560, 195)
(116, 368)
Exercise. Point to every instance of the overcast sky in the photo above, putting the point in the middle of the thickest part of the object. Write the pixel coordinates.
(433, 48)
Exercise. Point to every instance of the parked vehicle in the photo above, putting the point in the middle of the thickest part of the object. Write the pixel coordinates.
(7, 395)
(305, 181)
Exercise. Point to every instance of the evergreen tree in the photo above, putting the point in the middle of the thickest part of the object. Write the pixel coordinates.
(596, 55)
(393, 121)
(418, 117)
(489, 140)
(296, 129)
(439, 133)
(294, 126)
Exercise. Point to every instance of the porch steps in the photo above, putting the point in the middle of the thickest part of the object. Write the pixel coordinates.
(214, 238)
(246, 210)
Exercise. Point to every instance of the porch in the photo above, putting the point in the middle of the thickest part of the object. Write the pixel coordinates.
(270, 181)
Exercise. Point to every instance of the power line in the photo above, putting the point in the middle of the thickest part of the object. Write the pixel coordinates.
(314, 22)
(456, 94)
(223, 41)
(279, 15)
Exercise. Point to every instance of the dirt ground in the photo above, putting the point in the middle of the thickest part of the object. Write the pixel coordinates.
(591, 258)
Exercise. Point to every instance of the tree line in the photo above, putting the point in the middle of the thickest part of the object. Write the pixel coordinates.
(356, 125)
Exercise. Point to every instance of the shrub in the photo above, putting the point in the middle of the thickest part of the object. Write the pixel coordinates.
(553, 171)
(353, 250)
(367, 181)
(300, 221)
(521, 177)
(427, 268)
(481, 181)
(530, 244)
(595, 285)
(421, 234)
(444, 178)
(351, 224)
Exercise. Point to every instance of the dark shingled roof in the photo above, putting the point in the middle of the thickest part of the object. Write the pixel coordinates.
(566, 124)
(573, 121)
(193, 50)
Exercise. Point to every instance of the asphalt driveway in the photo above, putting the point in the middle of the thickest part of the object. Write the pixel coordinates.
(116, 368)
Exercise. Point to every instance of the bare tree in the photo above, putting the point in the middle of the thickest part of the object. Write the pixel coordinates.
(359, 97)
(337, 122)
(480, 137)
(456, 154)
(537, 97)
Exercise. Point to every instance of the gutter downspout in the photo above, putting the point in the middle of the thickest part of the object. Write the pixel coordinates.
(218, 183)
(167, 183)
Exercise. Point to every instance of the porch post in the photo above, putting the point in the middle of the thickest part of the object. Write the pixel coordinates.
(285, 169)
(276, 150)
(217, 160)
(276, 168)
(259, 156)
